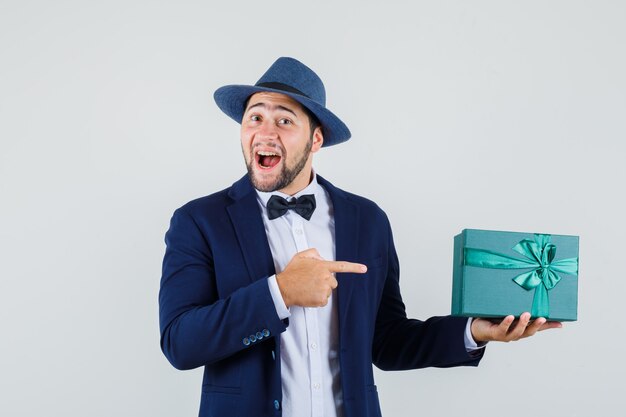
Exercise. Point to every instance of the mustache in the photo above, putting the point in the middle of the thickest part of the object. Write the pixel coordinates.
(269, 145)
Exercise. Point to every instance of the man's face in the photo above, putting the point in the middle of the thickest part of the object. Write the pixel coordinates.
(277, 143)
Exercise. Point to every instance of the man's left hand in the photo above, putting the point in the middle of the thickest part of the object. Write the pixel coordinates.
(509, 329)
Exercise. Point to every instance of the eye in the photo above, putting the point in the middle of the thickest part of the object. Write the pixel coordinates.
(284, 122)
(255, 118)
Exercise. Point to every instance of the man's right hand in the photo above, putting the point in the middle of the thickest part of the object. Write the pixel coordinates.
(308, 280)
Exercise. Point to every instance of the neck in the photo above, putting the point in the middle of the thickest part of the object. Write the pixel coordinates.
(300, 182)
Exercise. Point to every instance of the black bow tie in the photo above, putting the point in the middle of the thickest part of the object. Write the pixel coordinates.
(303, 205)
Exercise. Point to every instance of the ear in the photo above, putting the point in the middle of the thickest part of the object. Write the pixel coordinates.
(318, 139)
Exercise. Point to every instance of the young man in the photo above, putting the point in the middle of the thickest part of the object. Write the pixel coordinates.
(284, 287)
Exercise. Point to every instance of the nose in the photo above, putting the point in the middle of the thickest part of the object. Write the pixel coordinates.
(267, 131)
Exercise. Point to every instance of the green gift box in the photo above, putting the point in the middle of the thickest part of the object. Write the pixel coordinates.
(507, 273)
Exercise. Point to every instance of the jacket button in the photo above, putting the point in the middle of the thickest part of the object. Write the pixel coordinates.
(259, 335)
(246, 341)
(266, 332)
(276, 404)
(252, 338)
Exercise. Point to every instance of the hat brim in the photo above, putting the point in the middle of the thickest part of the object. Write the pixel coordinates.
(232, 98)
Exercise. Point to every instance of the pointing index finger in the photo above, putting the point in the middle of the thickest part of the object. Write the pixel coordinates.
(343, 266)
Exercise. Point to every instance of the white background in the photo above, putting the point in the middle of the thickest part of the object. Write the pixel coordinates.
(497, 115)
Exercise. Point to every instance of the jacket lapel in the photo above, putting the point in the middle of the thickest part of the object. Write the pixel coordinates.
(346, 242)
(245, 216)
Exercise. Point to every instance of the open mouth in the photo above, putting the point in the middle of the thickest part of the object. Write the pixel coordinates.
(267, 160)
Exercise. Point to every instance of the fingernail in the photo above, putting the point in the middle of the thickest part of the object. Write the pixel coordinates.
(363, 268)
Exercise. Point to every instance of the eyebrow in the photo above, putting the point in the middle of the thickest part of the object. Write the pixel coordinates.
(278, 106)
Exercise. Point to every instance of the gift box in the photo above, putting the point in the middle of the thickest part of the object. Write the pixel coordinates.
(497, 274)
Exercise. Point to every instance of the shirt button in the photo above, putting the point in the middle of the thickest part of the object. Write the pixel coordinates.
(276, 404)
(316, 385)
(298, 231)
(313, 345)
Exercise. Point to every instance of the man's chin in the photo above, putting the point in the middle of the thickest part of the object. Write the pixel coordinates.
(264, 183)
(265, 189)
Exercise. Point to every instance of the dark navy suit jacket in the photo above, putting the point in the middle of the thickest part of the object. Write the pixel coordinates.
(214, 296)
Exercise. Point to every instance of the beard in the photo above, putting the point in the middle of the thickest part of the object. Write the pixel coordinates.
(285, 176)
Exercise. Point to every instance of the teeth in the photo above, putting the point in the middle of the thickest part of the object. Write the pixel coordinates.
(264, 153)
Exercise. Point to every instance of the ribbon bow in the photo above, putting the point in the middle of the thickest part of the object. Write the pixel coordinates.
(539, 254)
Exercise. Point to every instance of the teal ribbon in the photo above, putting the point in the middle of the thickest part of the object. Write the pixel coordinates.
(539, 254)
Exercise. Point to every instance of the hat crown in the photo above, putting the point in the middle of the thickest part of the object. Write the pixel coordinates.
(289, 74)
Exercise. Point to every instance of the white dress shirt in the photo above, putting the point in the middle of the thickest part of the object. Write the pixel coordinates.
(311, 384)
(309, 347)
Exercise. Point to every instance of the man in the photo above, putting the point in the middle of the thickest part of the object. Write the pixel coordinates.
(284, 287)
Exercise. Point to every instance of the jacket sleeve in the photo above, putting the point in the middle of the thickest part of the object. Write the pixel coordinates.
(401, 343)
(197, 326)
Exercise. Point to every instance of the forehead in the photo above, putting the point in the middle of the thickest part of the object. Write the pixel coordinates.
(274, 99)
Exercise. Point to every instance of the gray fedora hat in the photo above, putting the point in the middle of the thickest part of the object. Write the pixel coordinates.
(294, 79)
